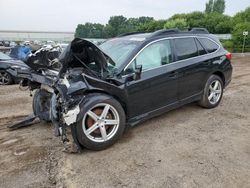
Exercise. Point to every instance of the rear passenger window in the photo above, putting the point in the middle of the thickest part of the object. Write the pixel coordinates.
(201, 50)
(185, 48)
(209, 45)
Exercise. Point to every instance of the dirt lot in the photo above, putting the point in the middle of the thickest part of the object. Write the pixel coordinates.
(187, 147)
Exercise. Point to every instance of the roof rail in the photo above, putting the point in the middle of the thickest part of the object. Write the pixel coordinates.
(177, 31)
(198, 30)
(165, 31)
(195, 30)
(129, 33)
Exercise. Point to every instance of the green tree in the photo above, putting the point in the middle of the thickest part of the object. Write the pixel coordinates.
(116, 25)
(243, 16)
(179, 16)
(219, 6)
(179, 23)
(240, 23)
(90, 30)
(209, 6)
(152, 26)
(145, 19)
(238, 33)
(215, 6)
(133, 24)
(195, 19)
(217, 23)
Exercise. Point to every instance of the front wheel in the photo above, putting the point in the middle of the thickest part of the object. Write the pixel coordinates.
(101, 122)
(41, 104)
(5, 78)
(213, 92)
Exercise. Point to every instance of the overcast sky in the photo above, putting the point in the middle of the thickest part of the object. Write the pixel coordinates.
(64, 15)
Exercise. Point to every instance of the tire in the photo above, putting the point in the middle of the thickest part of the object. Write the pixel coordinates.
(212, 95)
(41, 104)
(5, 78)
(96, 140)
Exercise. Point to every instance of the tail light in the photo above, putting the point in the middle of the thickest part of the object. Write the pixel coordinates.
(229, 56)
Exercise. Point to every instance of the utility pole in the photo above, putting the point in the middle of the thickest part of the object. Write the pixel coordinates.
(245, 34)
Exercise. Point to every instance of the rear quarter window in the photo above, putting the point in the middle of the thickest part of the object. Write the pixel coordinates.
(210, 45)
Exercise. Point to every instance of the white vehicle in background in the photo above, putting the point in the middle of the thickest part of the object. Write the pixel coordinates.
(63, 45)
(26, 43)
(13, 44)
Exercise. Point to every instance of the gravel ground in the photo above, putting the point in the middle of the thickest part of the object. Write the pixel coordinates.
(187, 147)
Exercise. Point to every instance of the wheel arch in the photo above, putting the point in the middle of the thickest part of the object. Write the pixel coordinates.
(93, 91)
(221, 75)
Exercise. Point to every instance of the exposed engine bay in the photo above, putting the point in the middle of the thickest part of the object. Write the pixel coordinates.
(61, 84)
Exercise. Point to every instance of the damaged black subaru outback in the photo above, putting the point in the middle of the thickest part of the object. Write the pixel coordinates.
(99, 90)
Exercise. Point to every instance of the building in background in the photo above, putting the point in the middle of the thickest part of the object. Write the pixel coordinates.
(6, 35)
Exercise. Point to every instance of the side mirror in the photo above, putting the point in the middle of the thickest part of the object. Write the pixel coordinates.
(138, 70)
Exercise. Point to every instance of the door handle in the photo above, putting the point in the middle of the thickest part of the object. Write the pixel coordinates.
(173, 74)
(208, 62)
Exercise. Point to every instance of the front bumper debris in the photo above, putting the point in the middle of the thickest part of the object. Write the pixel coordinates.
(71, 116)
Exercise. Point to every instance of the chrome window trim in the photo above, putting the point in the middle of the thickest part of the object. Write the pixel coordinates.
(168, 38)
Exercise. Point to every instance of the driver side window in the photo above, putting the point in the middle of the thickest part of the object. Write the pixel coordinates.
(153, 56)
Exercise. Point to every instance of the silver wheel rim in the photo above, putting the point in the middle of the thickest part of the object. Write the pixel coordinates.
(105, 123)
(4, 78)
(214, 92)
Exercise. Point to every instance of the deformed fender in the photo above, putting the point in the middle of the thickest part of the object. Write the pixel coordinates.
(99, 97)
(74, 115)
(77, 86)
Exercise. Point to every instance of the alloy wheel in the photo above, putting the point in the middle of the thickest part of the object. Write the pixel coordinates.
(214, 92)
(101, 122)
(4, 78)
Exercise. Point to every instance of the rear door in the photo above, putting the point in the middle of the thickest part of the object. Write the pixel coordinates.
(192, 68)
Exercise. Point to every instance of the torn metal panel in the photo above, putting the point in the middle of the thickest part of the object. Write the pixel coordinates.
(71, 116)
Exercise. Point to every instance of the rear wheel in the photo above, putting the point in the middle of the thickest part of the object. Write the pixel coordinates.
(5, 78)
(213, 92)
(101, 123)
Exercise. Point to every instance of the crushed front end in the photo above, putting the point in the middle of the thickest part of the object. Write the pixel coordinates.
(61, 85)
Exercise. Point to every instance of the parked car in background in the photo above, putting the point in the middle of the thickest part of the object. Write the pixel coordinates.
(8, 68)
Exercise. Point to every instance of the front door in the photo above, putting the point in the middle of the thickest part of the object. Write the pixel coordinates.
(157, 87)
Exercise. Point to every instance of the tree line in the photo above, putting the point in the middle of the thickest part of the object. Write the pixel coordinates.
(212, 18)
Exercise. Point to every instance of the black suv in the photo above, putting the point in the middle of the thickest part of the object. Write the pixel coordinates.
(99, 90)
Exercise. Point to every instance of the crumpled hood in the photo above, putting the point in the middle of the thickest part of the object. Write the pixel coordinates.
(89, 53)
(80, 53)
(78, 44)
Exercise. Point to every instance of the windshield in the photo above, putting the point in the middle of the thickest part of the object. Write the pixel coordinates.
(4, 56)
(119, 49)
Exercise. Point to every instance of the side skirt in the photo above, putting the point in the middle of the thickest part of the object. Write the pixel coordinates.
(138, 119)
